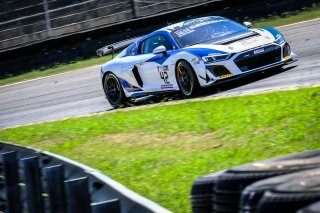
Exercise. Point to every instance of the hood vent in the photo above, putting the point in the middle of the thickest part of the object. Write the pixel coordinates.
(232, 40)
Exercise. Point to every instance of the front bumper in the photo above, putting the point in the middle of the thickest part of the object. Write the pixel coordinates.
(249, 61)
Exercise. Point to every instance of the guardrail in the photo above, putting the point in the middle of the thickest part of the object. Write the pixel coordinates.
(37, 181)
(116, 46)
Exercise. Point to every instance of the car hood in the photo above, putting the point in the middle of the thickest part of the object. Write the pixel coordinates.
(234, 44)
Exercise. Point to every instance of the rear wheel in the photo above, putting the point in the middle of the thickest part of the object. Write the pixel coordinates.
(186, 79)
(113, 90)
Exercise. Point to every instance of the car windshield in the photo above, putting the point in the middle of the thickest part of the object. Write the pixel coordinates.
(206, 29)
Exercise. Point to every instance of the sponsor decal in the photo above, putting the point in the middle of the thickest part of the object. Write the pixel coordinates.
(190, 25)
(225, 76)
(167, 86)
(184, 32)
(206, 23)
(163, 71)
(258, 51)
(249, 41)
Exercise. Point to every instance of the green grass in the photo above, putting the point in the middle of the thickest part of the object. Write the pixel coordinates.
(288, 17)
(272, 20)
(159, 151)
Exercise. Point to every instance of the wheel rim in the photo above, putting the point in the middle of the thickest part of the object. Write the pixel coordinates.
(113, 91)
(184, 79)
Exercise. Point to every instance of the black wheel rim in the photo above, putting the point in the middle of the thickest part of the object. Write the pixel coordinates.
(184, 79)
(113, 91)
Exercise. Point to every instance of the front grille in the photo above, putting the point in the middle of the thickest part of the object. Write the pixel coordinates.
(258, 58)
(218, 70)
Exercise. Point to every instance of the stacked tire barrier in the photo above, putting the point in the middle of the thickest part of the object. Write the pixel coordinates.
(286, 184)
(36, 181)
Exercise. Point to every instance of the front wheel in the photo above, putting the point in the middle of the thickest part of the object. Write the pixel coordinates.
(113, 90)
(186, 79)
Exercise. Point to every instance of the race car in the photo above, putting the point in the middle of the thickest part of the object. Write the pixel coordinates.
(190, 55)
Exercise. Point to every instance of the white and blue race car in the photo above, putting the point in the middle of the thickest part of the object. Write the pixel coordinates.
(190, 55)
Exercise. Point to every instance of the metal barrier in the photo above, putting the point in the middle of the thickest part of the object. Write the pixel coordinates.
(36, 181)
(116, 46)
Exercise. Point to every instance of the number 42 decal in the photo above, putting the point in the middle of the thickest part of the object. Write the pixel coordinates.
(163, 71)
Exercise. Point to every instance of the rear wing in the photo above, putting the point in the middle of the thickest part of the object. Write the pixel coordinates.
(116, 46)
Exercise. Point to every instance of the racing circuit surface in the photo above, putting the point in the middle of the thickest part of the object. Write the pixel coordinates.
(80, 92)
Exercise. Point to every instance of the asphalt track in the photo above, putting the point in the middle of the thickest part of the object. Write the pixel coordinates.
(79, 92)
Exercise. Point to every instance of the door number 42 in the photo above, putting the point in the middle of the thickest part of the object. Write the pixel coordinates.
(163, 71)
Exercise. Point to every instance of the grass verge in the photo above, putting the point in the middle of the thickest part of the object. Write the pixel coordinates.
(159, 151)
(289, 17)
(272, 20)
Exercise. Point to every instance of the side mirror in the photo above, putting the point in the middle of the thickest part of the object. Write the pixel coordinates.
(160, 49)
(247, 24)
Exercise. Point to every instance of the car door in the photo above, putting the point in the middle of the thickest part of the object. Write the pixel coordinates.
(154, 73)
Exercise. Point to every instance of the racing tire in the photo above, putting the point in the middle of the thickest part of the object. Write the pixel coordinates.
(186, 79)
(291, 196)
(113, 90)
(252, 194)
(202, 192)
(312, 208)
(230, 198)
(227, 208)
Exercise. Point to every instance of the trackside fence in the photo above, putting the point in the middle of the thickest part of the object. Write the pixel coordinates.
(36, 181)
(24, 22)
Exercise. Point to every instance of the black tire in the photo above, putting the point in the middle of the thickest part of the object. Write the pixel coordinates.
(113, 90)
(312, 208)
(186, 78)
(230, 198)
(231, 183)
(202, 191)
(227, 208)
(291, 196)
(252, 194)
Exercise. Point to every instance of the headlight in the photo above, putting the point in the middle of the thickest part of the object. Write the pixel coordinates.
(280, 39)
(215, 57)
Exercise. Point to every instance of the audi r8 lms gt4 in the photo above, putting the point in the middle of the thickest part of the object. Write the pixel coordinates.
(190, 55)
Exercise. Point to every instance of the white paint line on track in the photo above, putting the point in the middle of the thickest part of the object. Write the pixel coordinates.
(21, 82)
(49, 76)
